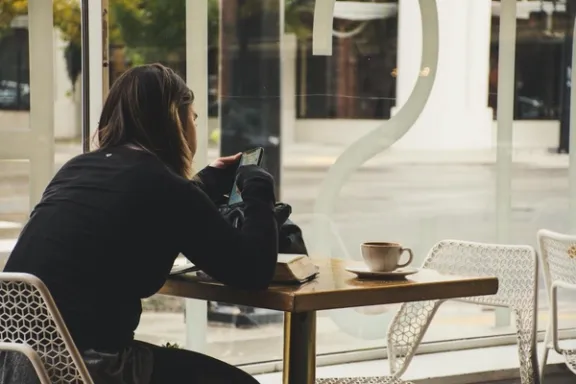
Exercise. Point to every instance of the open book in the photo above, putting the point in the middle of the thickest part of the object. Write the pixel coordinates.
(290, 269)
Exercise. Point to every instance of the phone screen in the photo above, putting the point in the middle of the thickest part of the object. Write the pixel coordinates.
(254, 156)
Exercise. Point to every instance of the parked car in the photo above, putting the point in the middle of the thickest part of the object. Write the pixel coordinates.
(10, 98)
(530, 109)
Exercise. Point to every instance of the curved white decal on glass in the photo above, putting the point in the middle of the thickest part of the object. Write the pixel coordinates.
(322, 27)
(349, 34)
(350, 320)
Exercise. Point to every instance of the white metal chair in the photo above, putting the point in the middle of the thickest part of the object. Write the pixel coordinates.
(516, 268)
(362, 380)
(558, 260)
(31, 324)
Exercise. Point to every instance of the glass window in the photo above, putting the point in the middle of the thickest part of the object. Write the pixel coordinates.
(265, 87)
(15, 174)
(14, 71)
(358, 80)
(14, 204)
(540, 60)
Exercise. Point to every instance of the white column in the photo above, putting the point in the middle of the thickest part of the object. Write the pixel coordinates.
(456, 115)
(41, 43)
(506, 88)
(288, 57)
(66, 122)
(96, 57)
(322, 27)
(197, 79)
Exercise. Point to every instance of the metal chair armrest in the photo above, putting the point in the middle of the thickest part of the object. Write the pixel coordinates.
(554, 310)
(32, 355)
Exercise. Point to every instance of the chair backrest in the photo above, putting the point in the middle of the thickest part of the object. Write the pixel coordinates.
(29, 316)
(558, 256)
(516, 267)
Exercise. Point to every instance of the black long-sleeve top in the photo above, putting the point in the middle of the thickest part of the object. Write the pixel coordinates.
(110, 225)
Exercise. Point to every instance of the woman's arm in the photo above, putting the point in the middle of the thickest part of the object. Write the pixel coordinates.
(243, 258)
(215, 182)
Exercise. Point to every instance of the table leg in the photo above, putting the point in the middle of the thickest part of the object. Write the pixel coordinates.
(299, 348)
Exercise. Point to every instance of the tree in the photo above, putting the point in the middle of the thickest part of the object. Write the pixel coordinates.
(151, 30)
(67, 18)
(156, 29)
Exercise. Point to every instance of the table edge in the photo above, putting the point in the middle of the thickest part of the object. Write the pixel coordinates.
(317, 301)
(271, 299)
(488, 286)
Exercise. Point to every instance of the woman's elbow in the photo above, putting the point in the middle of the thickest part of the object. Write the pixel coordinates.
(257, 285)
(261, 276)
(259, 281)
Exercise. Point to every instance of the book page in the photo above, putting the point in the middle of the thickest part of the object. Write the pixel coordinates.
(285, 258)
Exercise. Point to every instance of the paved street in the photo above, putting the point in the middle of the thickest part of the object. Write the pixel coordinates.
(419, 204)
(413, 198)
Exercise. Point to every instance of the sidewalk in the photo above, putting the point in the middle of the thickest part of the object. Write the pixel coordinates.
(311, 155)
(317, 156)
(320, 157)
(454, 321)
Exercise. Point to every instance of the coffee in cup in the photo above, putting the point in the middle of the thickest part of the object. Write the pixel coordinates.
(384, 257)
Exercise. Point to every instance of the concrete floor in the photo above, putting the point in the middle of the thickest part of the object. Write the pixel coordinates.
(264, 343)
(496, 365)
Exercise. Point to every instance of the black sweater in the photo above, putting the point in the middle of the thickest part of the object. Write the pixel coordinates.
(110, 225)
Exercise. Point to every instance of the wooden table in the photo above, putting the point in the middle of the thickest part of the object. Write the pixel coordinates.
(334, 288)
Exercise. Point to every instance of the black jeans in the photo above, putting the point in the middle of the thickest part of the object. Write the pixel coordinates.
(179, 366)
(141, 363)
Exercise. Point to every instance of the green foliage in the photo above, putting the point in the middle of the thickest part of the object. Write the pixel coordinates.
(66, 19)
(156, 29)
(9, 9)
(295, 14)
(66, 16)
(151, 30)
(73, 56)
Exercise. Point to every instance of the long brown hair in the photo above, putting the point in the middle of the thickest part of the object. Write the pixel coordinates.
(147, 106)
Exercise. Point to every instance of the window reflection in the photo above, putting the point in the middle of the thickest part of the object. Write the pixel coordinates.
(14, 70)
(415, 201)
(542, 55)
(356, 82)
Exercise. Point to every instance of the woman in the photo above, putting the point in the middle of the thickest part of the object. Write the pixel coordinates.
(111, 223)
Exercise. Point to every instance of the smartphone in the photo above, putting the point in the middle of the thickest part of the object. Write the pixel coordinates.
(252, 156)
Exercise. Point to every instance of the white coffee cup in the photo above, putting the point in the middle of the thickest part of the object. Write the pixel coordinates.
(384, 257)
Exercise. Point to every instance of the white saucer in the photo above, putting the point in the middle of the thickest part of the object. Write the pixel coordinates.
(364, 272)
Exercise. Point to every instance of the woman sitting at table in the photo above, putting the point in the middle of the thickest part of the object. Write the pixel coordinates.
(111, 223)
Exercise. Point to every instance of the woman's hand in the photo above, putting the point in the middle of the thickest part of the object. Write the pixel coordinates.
(227, 161)
(216, 179)
(254, 181)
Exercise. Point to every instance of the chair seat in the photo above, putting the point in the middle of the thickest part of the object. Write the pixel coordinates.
(570, 356)
(362, 380)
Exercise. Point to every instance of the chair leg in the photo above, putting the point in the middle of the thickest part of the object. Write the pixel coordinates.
(543, 366)
(406, 332)
(526, 338)
(547, 340)
(32, 356)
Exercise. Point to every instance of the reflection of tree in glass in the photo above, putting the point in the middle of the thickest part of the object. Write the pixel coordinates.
(243, 125)
(67, 20)
(150, 30)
